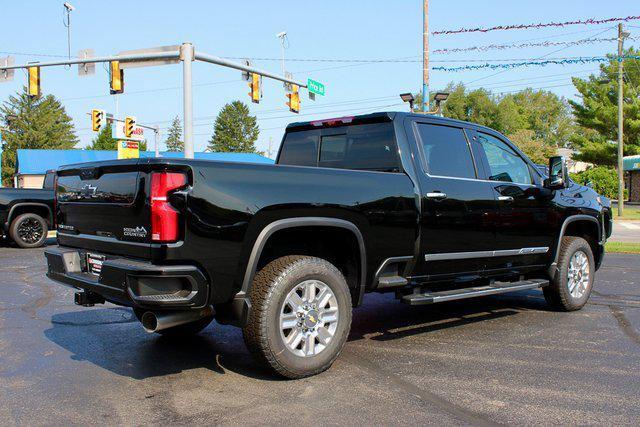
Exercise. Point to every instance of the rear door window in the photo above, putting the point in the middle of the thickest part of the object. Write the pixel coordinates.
(446, 151)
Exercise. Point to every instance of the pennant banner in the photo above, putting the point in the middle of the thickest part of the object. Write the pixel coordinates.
(539, 25)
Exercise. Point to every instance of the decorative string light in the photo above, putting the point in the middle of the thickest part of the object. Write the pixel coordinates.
(568, 61)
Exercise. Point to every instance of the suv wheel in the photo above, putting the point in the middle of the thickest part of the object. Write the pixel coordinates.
(571, 288)
(300, 315)
(29, 230)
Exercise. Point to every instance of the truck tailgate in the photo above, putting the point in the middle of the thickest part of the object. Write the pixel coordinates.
(104, 207)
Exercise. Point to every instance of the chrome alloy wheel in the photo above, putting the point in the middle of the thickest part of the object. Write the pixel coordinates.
(578, 274)
(309, 318)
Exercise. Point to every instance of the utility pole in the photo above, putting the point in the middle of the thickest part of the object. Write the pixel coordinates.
(186, 54)
(621, 36)
(425, 57)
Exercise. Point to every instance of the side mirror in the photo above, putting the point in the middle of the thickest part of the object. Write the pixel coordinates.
(558, 174)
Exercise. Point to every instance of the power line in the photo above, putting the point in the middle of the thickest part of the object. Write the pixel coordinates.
(540, 57)
(571, 73)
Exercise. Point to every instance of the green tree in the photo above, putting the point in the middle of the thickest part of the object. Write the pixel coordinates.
(40, 122)
(537, 121)
(235, 130)
(597, 111)
(104, 140)
(174, 138)
(543, 112)
(534, 147)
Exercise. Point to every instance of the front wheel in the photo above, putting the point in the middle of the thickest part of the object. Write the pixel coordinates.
(300, 315)
(571, 287)
(29, 230)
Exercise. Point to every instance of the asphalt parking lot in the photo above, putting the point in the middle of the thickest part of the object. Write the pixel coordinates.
(496, 360)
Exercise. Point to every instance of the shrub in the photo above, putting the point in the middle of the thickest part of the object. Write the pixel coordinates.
(603, 179)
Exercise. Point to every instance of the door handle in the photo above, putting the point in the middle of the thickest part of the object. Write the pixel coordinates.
(437, 195)
(505, 198)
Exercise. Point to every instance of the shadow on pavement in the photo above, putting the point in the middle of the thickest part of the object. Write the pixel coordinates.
(383, 318)
(112, 338)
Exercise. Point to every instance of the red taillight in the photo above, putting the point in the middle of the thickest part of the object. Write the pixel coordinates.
(164, 218)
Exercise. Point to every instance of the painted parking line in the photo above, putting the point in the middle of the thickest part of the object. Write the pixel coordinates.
(629, 225)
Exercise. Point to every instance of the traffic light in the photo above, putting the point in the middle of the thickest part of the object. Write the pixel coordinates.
(254, 85)
(116, 78)
(34, 82)
(129, 126)
(294, 99)
(97, 119)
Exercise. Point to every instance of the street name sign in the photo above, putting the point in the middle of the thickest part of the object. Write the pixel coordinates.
(315, 87)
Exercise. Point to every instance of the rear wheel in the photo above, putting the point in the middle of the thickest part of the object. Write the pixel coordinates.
(29, 230)
(571, 287)
(300, 315)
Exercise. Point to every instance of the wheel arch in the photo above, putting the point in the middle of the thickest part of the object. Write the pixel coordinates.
(585, 226)
(30, 207)
(290, 223)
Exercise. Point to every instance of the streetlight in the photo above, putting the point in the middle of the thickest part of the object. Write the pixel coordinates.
(440, 97)
(282, 35)
(68, 7)
(408, 97)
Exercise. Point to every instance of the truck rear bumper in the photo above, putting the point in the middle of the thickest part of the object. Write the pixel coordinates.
(129, 282)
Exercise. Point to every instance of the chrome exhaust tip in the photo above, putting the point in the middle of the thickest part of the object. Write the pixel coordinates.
(159, 320)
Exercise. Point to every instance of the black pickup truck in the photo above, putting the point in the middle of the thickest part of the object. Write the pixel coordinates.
(26, 214)
(430, 208)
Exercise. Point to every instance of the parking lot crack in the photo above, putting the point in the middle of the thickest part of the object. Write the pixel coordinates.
(463, 414)
(625, 324)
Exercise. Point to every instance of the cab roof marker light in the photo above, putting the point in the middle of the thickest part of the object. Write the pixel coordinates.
(333, 122)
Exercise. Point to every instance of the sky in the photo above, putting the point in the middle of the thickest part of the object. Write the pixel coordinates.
(356, 29)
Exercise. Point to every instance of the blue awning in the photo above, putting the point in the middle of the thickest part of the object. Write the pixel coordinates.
(631, 163)
(38, 162)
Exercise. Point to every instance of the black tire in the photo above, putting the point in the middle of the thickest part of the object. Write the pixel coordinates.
(271, 287)
(557, 293)
(29, 230)
(182, 330)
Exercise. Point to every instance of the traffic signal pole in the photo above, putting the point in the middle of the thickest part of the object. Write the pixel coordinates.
(187, 54)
